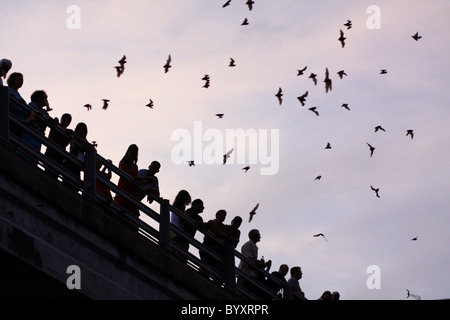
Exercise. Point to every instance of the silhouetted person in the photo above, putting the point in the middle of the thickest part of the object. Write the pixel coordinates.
(36, 121)
(15, 82)
(217, 228)
(335, 296)
(280, 274)
(193, 212)
(293, 282)
(78, 145)
(182, 199)
(250, 251)
(150, 181)
(326, 296)
(128, 164)
(5, 66)
(233, 232)
(62, 139)
(100, 186)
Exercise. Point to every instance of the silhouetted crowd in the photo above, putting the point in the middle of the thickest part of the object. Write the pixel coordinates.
(36, 116)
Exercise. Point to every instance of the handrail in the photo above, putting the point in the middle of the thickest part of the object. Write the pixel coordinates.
(87, 186)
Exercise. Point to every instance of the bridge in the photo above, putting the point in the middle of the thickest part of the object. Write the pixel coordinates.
(61, 238)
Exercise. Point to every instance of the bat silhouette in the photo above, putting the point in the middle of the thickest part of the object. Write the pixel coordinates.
(342, 38)
(302, 98)
(167, 66)
(279, 95)
(300, 71)
(410, 133)
(150, 104)
(320, 235)
(372, 149)
(416, 36)
(105, 104)
(253, 212)
(328, 83)
(348, 24)
(226, 156)
(376, 190)
(313, 76)
(313, 109)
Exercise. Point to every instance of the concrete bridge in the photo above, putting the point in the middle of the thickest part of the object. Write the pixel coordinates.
(60, 238)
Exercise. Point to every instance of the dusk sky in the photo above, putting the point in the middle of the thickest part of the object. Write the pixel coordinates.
(70, 51)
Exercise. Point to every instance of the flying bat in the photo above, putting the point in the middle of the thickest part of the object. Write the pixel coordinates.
(414, 239)
(167, 66)
(313, 76)
(88, 106)
(219, 115)
(410, 133)
(348, 24)
(279, 95)
(328, 83)
(232, 63)
(383, 71)
(372, 149)
(226, 4)
(150, 104)
(376, 190)
(313, 109)
(300, 71)
(226, 156)
(320, 235)
(191, 163)
(123, 61)
(328, 146)
(379, 128)
(246, 168)
(342, 38)
(302, 98)
(318, 177)
(105, 104)
(345, 105)
(245, 22)
(341, 74)
(416, 36)
(119, 70)
(253, 212)
(250, 3)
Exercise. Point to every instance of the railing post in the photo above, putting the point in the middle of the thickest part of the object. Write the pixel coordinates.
(230, 271)
(90, 171)
(4, 113)
(164, 224)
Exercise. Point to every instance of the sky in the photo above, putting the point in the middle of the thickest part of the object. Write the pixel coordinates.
(70, 51)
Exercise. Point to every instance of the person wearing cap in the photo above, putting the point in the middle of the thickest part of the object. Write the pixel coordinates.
(250, 251)
(5, 66)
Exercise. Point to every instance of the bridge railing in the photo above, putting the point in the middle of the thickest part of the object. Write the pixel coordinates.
(223, 271)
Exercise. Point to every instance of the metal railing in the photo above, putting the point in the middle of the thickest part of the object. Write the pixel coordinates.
(225, 276)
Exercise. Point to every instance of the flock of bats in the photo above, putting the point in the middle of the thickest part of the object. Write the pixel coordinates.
(279, 96)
